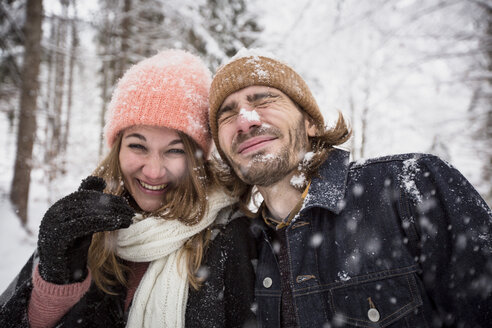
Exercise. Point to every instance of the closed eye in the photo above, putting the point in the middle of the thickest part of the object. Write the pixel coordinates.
(264, 104)
(226, 117)
(176, 151)
(137, 146)
(227, 111)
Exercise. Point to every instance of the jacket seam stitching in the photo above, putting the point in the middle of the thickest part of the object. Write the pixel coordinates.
(337, 285)
(291, 282)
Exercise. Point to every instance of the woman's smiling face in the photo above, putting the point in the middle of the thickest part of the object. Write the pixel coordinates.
(152, 160)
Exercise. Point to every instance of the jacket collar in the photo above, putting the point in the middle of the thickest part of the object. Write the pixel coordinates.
(328, 189)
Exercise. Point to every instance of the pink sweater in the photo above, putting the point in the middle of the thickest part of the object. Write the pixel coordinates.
(49, 302)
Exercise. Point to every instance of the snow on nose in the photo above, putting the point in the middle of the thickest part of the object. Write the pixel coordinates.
(247, 119)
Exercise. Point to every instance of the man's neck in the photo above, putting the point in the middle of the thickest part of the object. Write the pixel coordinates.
(280, 198)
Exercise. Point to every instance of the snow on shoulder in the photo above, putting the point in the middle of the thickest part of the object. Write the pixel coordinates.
(407, 178)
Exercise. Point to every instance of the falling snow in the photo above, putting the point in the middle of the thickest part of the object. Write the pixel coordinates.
(316, 240)
(24, 243)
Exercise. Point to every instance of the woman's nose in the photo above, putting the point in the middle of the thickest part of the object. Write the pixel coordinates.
(154, 168)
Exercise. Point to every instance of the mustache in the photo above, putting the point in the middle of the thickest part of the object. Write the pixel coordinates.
(255, 132)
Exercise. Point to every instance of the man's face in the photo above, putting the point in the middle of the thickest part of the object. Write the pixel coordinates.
(263, 134)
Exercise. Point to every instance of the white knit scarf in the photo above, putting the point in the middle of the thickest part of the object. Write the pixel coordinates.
(160, 299)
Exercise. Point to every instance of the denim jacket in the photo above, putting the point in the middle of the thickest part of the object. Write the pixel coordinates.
(398, 241)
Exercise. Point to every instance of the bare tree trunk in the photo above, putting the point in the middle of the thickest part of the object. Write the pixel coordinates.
(125, 37)
(19, 192)
(71, 65)
(364, 122)
(487, 46)
(363, 130)
(48, 98)
(55, 118)
(104, 96)
(489, 112)
(107, 71)
(352, 116)
(488, 166)
(116, 57)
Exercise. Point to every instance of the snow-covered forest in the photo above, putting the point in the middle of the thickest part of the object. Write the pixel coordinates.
(410, 75)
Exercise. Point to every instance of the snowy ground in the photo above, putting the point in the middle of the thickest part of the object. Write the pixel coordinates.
(20, 244)
(16, 242)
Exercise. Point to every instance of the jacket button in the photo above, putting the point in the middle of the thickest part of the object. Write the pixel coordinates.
(267, 282)
(373, 315)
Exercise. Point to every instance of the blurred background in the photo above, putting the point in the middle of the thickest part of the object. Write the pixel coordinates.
(410, 75)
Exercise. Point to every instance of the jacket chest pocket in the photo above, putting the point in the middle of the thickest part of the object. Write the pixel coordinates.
(376, 300)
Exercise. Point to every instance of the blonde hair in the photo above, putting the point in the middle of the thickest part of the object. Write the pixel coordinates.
(187, 203)
(321, 145)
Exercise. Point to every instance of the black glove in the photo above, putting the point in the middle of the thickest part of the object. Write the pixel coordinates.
(65, 233)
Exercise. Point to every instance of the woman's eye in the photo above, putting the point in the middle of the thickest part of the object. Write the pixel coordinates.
(176, 151)
(137, 146)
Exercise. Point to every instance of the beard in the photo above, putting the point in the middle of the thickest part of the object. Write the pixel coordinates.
(265, 169)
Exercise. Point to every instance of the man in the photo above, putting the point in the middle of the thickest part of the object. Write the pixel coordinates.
(396, 241)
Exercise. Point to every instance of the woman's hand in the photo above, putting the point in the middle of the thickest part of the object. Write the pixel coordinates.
(66, 229)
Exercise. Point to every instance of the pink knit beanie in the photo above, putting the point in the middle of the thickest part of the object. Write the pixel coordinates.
(170, 90)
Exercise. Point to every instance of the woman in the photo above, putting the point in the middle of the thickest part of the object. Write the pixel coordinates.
(148, 251)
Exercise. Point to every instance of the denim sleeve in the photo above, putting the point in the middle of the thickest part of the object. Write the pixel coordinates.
(455, 226)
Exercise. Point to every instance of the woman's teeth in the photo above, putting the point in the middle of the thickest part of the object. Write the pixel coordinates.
(150, 187)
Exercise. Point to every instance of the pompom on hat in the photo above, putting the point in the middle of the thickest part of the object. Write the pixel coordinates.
(170, 90)
(255, 67)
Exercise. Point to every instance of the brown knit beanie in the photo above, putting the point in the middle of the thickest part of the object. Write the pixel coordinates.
(251, 70)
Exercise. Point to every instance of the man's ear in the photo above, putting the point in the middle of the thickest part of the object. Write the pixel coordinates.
(311, 128)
